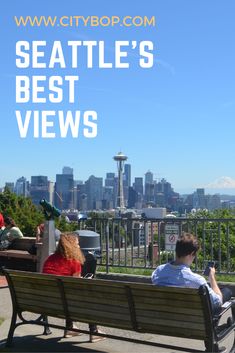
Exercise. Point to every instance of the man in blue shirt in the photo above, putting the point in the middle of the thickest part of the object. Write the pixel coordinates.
(178, 273)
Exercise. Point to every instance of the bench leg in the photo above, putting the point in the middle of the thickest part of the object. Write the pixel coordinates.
(47, 330)
(11, 330)
(211, 347)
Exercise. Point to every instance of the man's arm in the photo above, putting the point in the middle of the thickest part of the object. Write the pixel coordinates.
(213, 282)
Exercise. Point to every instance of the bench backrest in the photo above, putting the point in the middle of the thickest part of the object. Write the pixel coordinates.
(24, 243)
(180, 312)
(34, 292)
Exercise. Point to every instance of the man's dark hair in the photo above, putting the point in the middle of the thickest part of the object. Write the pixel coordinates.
(186, 244)
(9, 221)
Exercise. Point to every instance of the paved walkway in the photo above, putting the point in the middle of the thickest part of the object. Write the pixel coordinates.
(29, 338)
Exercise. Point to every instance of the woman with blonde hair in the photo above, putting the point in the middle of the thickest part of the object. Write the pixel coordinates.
(67, 261)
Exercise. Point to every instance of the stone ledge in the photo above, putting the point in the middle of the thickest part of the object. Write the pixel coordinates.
(147, 279)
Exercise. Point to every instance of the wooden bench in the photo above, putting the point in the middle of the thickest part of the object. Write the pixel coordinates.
(18, 256)
(137, 307)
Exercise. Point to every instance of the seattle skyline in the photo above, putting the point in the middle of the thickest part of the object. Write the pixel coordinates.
(175, 119)
(223, 185)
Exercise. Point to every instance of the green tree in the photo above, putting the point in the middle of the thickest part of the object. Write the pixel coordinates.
(25, 214)
(216, 232)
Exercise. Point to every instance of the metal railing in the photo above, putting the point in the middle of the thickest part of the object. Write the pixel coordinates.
(141, 243)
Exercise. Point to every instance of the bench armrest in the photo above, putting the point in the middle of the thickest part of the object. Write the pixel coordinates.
(222, 310)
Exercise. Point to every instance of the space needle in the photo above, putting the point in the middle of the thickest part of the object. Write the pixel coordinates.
(120, 158)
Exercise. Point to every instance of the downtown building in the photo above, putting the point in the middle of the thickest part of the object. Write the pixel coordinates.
(39, 189)
(64, 191)
(94, 192)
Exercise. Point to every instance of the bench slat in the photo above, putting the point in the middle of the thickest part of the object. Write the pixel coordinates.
(21, 291)
(160, 304)
(91, 301)
(34, 305)
(118, 320)
(170, 322)
(98, 313)
(29, 283)
(79, 287)
(174, 310)
(173, 331)
(169, 315)
(169, 302)
(37, 298)
(162, 289)
(148, 296)
(90, 295)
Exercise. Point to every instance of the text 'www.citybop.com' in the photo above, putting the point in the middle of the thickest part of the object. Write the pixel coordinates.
(85, 21)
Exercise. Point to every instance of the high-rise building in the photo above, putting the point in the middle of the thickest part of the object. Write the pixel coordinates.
(81, 197)
(94, 191)
(126, 181)
(199, 199)
(67, 170)
(127, 175)
(110, 179)
(64, 188)
(22, 187)
(138, 185)
(10, 186)
(132, 198)
(108, 198)
(149, 177)
(164, 195)
(149, 187)
(213, 202)
(39, 189)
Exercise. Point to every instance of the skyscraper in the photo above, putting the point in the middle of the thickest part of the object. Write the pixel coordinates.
(149, 177)
(81, 197)
(149, 187)
(126, 181)
(110, 179)
(67, 170)
(64, 188)
(10, 186)
(127, 175)
(94, 191)
(39, 189)
(138, 185)
(22, 187)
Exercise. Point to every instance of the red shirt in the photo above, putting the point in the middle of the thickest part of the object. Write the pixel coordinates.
(59, 265)
(1, 221)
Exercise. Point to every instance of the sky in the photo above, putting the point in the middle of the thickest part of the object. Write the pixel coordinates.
(175, 118)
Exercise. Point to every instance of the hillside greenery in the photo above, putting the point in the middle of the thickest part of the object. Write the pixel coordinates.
(26, 215)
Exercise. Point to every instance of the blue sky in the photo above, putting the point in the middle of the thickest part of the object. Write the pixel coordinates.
(175, 119)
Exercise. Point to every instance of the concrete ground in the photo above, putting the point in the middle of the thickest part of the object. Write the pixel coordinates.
(29, 338)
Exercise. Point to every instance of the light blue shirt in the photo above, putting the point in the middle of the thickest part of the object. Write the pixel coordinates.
(181, 276)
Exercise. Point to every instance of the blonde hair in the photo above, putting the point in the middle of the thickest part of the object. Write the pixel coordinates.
(69, 248)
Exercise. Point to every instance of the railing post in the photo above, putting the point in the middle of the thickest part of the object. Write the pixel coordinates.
(219, 245)
(107, 245)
